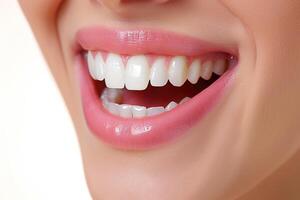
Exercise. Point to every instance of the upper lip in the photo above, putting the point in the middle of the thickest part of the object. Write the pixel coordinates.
(146, 41)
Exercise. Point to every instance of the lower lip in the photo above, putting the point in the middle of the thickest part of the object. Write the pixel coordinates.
(150, 132)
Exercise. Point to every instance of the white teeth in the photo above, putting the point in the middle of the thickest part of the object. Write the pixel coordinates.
(186, 99)
(178, 71)
(194, 71)
(159, 73)
(206, 70)
(99, 67)
(155, 111)
(113, 108)
(171, 106)
(125, 111)
(114, 71)
(91, 64)
(109, 96)
(137, 73)
(219, 66)
(139, 111)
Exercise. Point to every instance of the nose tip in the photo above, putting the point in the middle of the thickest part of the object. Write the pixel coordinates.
(116, 5)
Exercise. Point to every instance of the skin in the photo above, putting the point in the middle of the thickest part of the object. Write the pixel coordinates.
(247, 148)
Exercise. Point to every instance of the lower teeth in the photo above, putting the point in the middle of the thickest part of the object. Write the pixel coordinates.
(112, 102)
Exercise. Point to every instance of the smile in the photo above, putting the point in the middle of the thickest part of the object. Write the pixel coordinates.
(144, 88)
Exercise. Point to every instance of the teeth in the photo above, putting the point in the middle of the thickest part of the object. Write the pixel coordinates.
(194, 71)
(159, 73)
(219, 66)
(91, 64)
(137, 73)
(178, 71)
(125, 111)
(99, 67)
(113, 108)
(155, 111)
(132, 111)
(115, 71)
(171, 106)
(139, 111)
(184, 100)
(207, 68)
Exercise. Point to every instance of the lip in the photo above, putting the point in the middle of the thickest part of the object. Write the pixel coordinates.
(149, 132)
(141, 41)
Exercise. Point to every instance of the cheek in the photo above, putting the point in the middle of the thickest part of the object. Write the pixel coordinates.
(273, 103)
(274, 27)
(268, 19)
(45, 8)
(43, 18)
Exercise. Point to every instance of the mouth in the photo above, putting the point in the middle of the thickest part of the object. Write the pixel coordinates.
(144, 88)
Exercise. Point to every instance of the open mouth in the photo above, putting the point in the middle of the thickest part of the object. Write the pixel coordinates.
(140, 96)
(141, 86)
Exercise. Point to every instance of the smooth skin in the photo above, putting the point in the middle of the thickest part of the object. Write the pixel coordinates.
(247, 148)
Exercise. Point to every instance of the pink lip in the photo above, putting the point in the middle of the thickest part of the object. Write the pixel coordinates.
(148, 132)
(145, 41)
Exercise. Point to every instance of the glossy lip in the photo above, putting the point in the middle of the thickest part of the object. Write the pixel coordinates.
(144, 41)
(149, 132)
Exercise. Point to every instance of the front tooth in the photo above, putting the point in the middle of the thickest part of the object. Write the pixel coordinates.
(114, 71)
(159, 73)
(206, 72)
(155, 111)
(137, 73)
(113, 108)
(171, 106)
(178, 71)
(99, 67)
(91, 64)
(185, 99)
(194, 71)
(139, 111)
(219, 66)
(125, 111)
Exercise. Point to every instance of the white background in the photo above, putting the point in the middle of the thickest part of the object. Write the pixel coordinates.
(39, 154)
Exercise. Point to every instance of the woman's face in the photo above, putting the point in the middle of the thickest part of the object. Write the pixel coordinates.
(219, 144)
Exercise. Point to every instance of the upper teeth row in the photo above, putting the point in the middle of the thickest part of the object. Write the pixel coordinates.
(137, 73)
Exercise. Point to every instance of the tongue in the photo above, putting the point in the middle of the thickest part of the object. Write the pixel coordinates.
(162, 96)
